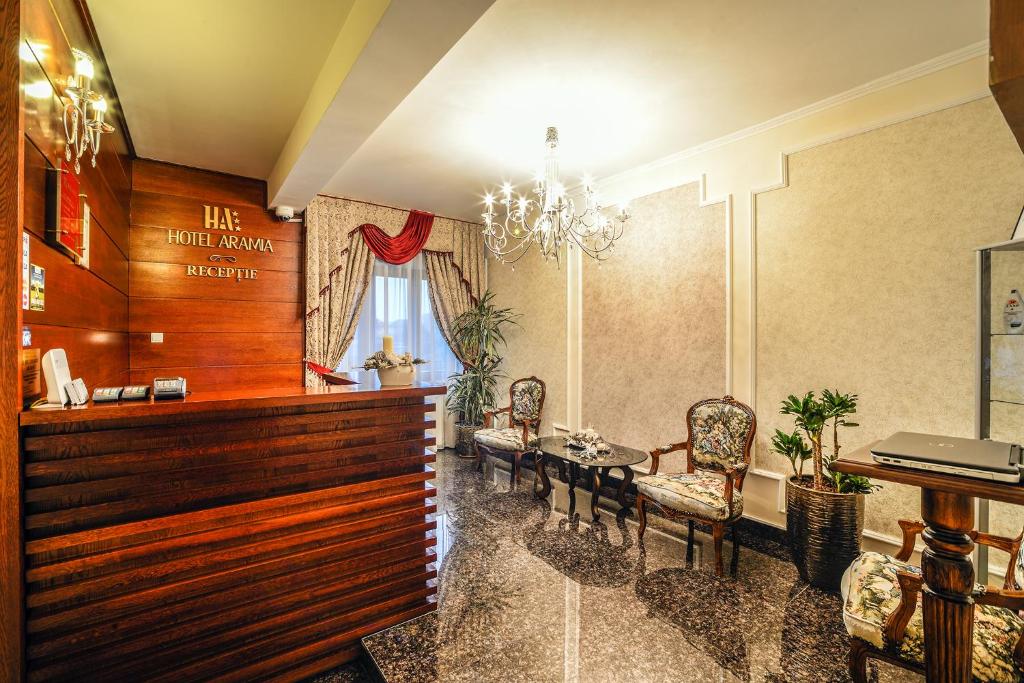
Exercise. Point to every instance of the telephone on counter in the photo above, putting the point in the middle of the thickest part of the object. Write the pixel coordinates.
(60, 389)
(169, 387)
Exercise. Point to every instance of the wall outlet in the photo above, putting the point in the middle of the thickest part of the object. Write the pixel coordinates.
(156, 337)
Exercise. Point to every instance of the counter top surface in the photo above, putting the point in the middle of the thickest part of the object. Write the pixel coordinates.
(235, 399)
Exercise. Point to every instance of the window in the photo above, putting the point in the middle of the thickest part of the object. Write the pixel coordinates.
(398, 303)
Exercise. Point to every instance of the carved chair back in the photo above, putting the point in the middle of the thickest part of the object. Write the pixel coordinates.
(526, 401)
(721, 433)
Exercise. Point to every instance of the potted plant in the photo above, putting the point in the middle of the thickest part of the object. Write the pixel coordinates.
(480, 335)
(824, 509)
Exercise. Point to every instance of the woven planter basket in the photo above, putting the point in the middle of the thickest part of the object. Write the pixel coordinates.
(824, 533)
(464, 438)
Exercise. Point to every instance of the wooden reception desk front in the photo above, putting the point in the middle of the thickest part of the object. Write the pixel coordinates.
(231, 535)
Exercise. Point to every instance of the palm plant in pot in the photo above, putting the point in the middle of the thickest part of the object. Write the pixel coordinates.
(480, 335)
(824, 509)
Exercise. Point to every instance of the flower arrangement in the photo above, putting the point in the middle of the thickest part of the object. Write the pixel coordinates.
(384, 360)
(589, 440)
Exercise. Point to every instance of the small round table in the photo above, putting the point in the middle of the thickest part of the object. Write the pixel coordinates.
(553, 447)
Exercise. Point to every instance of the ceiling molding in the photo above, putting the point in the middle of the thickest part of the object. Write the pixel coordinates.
(897, 77)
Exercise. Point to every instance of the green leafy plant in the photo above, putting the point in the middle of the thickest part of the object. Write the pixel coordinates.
(480, 335)
(794, 448)
(809, 415)
(812, 416)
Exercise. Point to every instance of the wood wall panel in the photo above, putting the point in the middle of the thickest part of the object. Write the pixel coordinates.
(218, 332)
(186, 213)
(262, 376)
(12, 141)
(213, 315)
(86, 311)
(94, 355)
(81, 299)
(243, 348)
(255, 544)
(169, 280)
(157, 177)
(151, 244)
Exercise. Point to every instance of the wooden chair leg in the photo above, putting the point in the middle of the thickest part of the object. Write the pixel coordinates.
(641, 513)
(717, 532)
(517, 459)
(735, 548)
(479, 458)
(857, 660)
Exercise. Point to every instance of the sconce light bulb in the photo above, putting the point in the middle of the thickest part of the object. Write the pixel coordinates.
(83, 65)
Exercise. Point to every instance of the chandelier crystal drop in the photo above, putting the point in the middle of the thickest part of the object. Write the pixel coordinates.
(83, 114)
(547, 218)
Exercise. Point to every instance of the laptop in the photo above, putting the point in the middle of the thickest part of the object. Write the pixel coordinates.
(978, 458)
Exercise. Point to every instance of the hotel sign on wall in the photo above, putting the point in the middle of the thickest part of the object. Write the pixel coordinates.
(220, 235)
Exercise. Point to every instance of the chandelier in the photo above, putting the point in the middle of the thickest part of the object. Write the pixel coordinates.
(548, 219)
(83, 114)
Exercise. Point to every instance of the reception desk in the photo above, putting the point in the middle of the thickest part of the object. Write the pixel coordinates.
(244, 535)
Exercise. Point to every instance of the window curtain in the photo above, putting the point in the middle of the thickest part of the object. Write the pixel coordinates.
(340, 263)
(398, 304)
(338, 268)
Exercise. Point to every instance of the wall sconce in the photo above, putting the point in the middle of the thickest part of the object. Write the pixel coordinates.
(81, 131)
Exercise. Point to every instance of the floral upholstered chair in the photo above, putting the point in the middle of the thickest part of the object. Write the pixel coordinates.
(882, 612)
(526, 403)
(721, 431)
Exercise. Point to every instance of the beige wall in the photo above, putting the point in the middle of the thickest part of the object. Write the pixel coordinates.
(536, 290)
(743, 169)
(654, 321)
(866, 277)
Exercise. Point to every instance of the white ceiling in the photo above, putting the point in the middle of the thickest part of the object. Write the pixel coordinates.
(215, 84)
(628, 83)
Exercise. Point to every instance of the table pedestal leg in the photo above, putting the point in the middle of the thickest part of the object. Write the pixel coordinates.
(595, 484)
(539, 461)
(627, 479)
(948, 608)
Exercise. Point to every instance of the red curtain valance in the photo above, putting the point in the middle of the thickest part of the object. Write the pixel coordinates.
(404, 246)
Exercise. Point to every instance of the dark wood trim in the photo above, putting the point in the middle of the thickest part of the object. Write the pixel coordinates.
(12, 141)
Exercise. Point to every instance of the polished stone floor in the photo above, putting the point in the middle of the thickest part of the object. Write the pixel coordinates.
(530, 591)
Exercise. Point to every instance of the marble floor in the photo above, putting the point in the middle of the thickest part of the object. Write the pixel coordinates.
(530, 590)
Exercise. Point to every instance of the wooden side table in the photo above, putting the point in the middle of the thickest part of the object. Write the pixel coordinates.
(947, 509)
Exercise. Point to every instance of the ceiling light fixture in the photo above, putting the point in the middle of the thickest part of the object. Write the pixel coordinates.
(549, 218)
(81, 131)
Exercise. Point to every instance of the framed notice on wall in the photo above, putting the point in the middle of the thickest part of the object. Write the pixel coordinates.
(64, 200)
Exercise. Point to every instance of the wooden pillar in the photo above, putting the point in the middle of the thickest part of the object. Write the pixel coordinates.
(949, 581)
(11, 181)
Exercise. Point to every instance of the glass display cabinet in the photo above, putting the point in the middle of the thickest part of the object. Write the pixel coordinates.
(999, 413)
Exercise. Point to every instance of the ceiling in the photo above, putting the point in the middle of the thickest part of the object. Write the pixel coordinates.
(437, 106)
(215, 84)
(628, 83)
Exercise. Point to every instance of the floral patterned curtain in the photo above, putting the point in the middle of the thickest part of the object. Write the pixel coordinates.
(339, 265)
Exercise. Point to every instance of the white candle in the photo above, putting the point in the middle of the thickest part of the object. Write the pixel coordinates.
(389, 344)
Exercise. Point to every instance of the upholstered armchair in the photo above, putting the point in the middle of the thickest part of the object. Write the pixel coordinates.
(710, 491)
(522, 415)
(882, 612)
